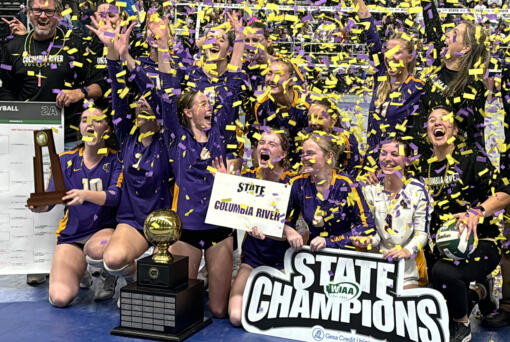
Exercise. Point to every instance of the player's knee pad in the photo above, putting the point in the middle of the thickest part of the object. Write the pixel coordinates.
(94, 262)
(120, 272)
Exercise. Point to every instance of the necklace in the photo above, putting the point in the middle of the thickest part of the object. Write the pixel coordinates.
(435, 193)
(47, 58)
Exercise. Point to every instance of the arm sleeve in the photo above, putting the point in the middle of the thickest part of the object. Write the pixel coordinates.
(114, 190)
(121, 123)
(433, 30)
(374, 44)
(420, 224)
(359, 217)
(293, 209)
(6, 76)
(147, 89)
(168, 100)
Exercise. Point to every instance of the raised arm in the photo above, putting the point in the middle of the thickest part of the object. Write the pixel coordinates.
(433, 29)
(236, 61)
(373, 40)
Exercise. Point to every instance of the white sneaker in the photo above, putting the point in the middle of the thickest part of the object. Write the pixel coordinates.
(86, 280)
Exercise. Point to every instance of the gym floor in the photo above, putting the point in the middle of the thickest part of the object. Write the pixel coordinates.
(27, 316)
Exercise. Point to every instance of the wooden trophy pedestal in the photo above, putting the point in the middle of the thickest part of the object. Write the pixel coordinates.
(38, 199)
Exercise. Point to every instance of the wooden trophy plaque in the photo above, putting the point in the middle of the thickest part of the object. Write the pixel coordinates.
(44, 138)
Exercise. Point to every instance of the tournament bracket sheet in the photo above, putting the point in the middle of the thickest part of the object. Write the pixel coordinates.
(27, 240)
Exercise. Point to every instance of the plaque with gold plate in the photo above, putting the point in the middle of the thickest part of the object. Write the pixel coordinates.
(44, 138)
(163, 304)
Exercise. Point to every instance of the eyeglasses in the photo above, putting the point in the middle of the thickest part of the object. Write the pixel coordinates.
(48, 12)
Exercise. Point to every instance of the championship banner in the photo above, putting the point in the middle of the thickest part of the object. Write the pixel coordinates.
(242, 203)
(27, 239)
(341, 295)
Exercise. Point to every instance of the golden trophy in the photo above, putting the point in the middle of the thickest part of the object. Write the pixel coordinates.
(163, 304)
(162, 228)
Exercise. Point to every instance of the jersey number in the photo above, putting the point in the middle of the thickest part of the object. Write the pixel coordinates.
(94, 184)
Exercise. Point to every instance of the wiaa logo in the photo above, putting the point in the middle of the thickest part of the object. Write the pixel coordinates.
(343, 291)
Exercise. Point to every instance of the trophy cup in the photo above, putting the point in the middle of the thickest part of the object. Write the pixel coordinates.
(40, 197)
(163, 304)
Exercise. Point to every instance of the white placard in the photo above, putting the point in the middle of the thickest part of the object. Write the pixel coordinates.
(27, 240)
(242, 203)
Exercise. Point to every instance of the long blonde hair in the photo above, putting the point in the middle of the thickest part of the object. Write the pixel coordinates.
(384, 89)
(476, 37)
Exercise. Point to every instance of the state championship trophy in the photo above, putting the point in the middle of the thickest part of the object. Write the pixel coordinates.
(163, 304)
(44, 138)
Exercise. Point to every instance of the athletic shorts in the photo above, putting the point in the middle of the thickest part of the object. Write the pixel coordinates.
(203, 239)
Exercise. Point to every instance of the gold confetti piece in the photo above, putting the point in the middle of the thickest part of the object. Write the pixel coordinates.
(103, 150)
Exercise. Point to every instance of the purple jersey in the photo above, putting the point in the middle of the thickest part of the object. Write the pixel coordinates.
(190, 159)
(80, 221)
(342, 212)
(269, 252)
(217, 89)
(147, 172)
(396, 109)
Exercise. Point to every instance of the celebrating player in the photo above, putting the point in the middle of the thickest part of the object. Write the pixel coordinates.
(463, 183)
(332, 206)
(92, 172)
(199, 138)
(401, 208)
(271, 153)
(147, 172)
(394, 98)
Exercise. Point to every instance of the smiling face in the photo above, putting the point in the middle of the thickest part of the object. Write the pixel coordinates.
(200, 114)
(392, 158)
(44, 25)
(269, 150)
(93, 127)
(144, 113)
(440, 127)
(454, 42)
(397, 57)
(216, 45)
(278, 78)
(314, 159)
(319, 119)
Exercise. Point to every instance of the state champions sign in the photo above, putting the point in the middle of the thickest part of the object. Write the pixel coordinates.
(341, 295)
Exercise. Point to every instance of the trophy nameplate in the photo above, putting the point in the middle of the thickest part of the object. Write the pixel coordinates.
(44, 138)
(172, 275)
(163, 304)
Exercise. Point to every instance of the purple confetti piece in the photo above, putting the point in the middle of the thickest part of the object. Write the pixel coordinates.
(103, 242)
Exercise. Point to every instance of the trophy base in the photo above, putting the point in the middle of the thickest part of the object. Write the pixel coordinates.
(154, 335)
(161, 311)
(45, 198)
(173, 275)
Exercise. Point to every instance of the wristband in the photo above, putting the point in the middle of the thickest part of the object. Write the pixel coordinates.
(84, 91)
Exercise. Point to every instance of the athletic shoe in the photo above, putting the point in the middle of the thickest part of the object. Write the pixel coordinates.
(489, 304)
(105, 288)
(36, 279)
(499, 319)
(203, 275)
(86, 280)
(461, 332)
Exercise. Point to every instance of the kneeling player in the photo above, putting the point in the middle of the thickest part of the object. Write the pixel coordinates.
(94, 178)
